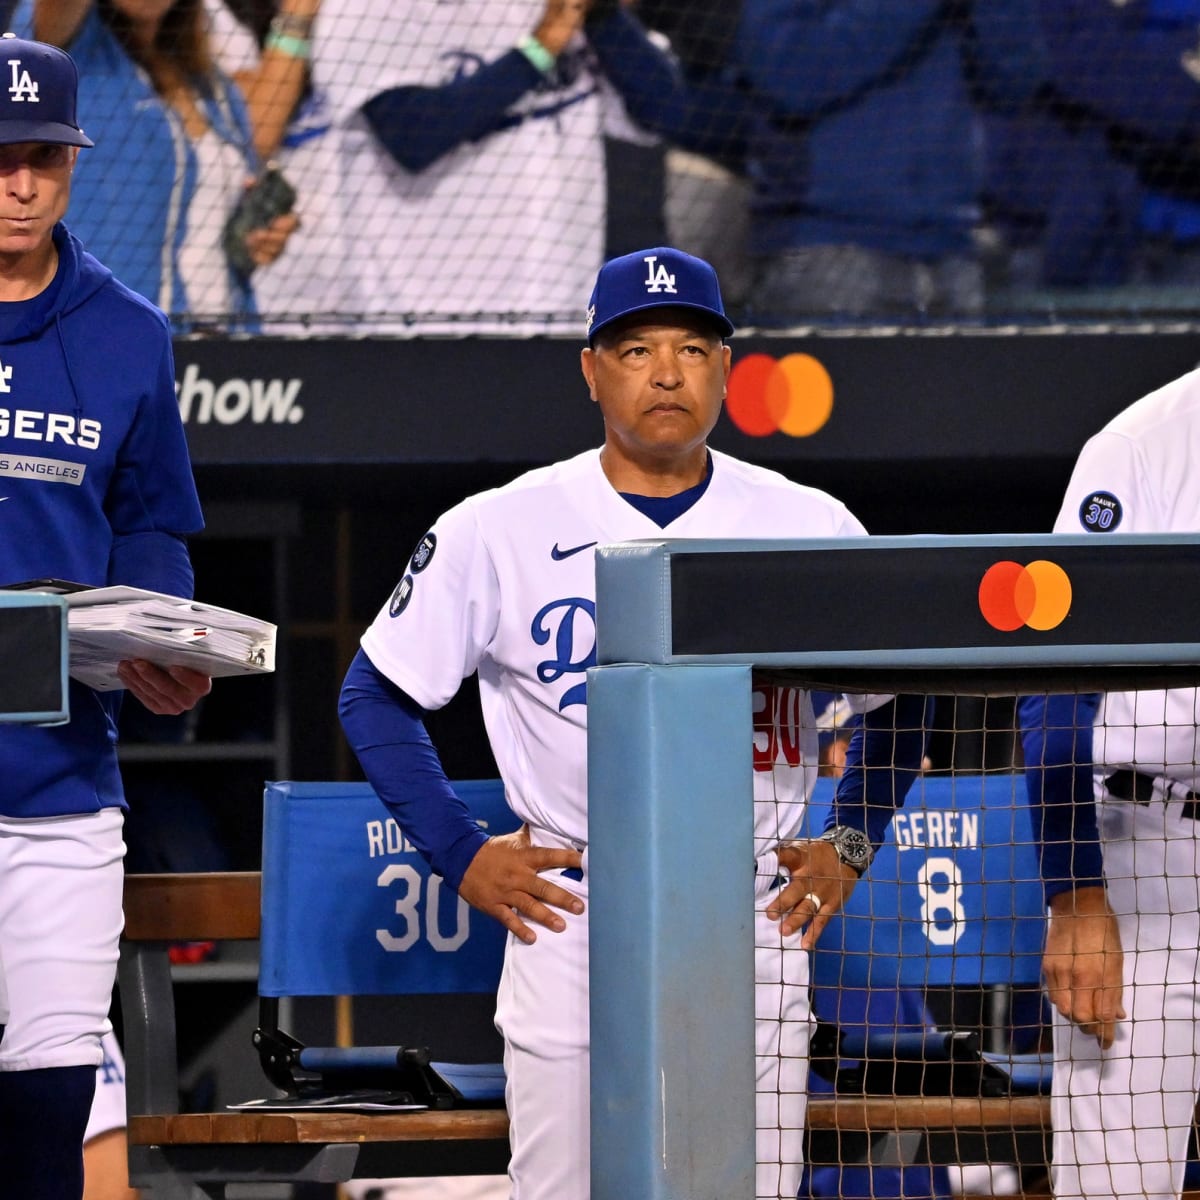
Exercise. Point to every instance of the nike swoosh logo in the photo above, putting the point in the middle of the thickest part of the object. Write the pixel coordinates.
(558, 555)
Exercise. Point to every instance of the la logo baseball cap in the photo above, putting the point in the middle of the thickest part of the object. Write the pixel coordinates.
(39, 85)
(658, 278)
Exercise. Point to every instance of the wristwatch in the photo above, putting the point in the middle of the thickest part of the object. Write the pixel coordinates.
(852, 845)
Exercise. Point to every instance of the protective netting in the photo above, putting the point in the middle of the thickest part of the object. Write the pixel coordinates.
(465, 166)
(938, 1030)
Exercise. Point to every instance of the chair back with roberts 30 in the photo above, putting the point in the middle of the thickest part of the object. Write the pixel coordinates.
(349, 908)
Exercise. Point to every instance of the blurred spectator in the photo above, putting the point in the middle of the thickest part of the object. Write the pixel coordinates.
(266, 45)
(1100, 184)
(864, 149)
(470, 142)
(707, 195)
(175, 156)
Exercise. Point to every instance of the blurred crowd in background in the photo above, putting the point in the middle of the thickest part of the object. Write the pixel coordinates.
(461, 166)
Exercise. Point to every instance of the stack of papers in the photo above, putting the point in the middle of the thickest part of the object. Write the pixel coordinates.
(110, 625)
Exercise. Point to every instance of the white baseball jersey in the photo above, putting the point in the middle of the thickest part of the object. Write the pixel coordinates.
(505, 583)
(512, 223)
(1138, 475)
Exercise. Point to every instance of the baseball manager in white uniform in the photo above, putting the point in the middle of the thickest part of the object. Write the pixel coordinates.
(1113, 782)
(503, 585)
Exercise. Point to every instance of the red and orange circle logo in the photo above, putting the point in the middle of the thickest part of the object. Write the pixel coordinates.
(1036, 596)
(792, 395)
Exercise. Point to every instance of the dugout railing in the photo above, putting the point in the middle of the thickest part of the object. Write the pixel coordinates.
(682, 626)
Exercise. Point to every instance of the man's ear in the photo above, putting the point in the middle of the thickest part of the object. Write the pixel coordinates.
(587, 364)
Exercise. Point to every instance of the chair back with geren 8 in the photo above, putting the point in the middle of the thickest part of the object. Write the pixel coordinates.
(952, 904)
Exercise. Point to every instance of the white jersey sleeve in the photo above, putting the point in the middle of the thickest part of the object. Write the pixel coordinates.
(1137, 475)
(1109, 490)
(442, 615)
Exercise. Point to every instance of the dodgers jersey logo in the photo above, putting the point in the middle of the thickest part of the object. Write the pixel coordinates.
(571, 623)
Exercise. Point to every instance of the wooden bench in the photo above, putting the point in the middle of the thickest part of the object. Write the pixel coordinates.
(953, 1129)
(878, 1114)
(170, 1150)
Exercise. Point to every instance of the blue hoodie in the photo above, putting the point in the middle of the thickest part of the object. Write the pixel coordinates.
(866, 130)
(95, 486)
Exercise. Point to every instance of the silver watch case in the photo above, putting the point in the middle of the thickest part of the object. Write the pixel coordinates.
(852, 845)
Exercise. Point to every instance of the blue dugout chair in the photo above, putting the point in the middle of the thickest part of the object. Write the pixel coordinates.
(952, 901)
(349, 908)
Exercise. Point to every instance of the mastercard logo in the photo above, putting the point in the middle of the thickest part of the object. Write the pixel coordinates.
(1035, 596)
(792, 395)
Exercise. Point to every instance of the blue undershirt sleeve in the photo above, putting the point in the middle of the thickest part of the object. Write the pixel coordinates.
(418, 125)
(1056, 737)
(386, 729)
(882, 762)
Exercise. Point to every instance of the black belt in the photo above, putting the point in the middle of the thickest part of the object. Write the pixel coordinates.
(1133, 785)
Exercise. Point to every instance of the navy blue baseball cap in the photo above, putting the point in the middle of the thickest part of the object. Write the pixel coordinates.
(39, 85)
(658, 278)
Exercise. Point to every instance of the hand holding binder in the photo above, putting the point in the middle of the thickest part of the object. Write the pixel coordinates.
(109, 625)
